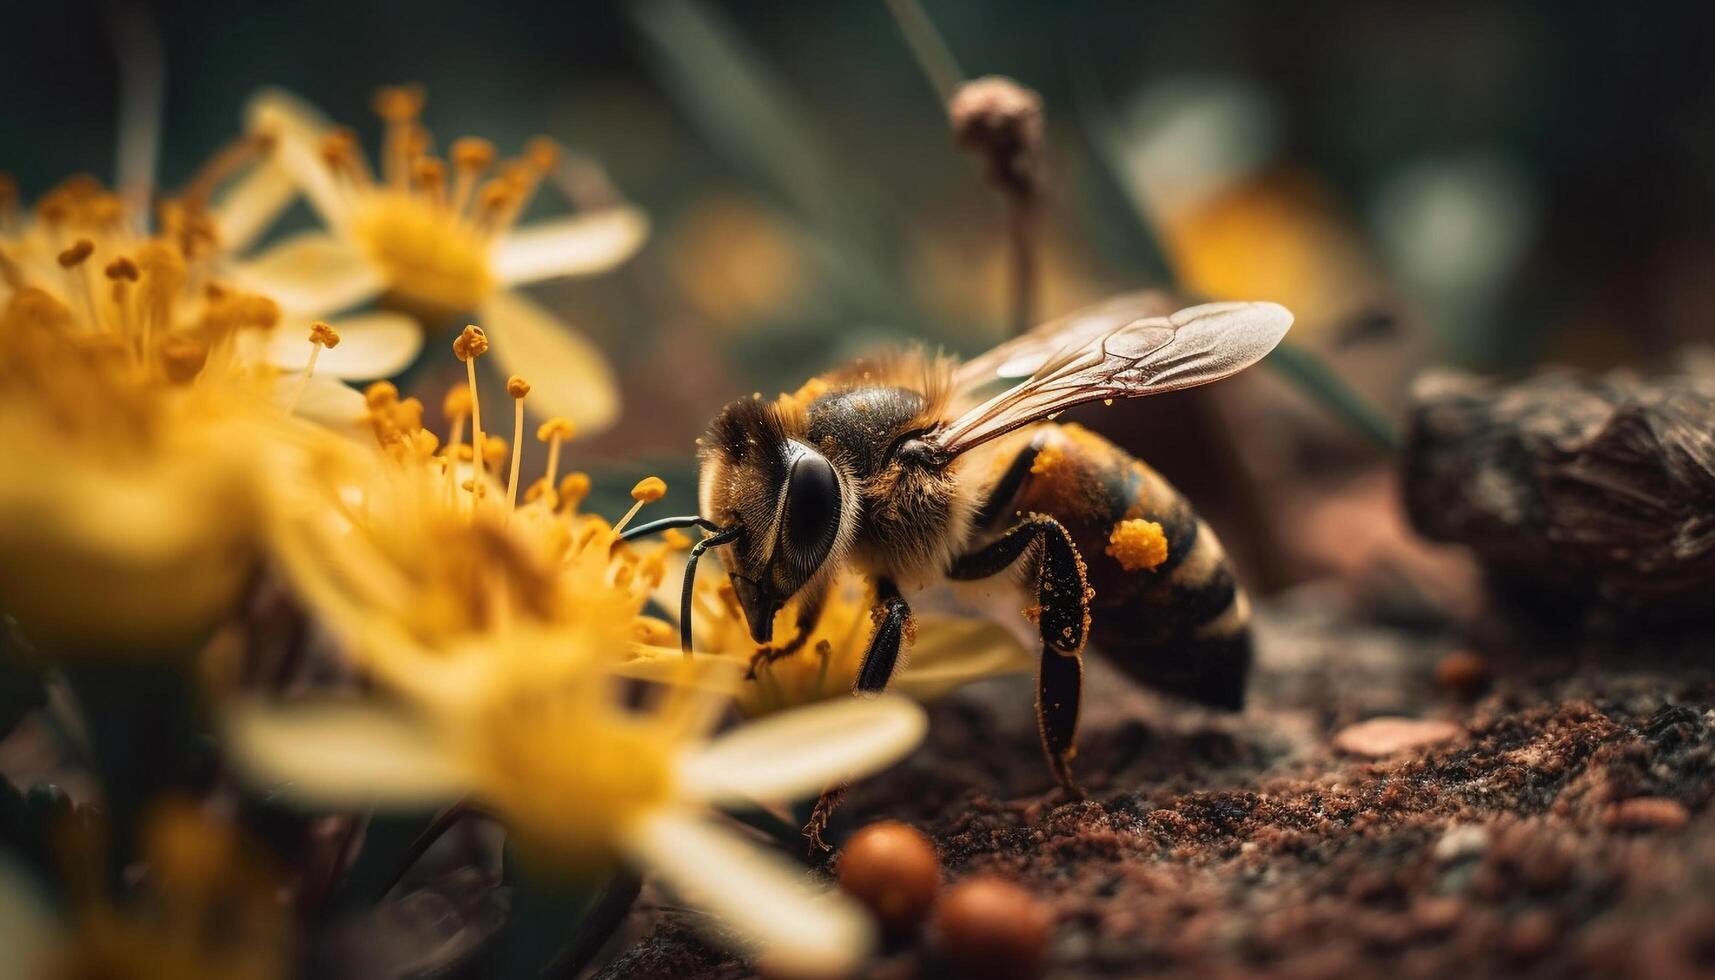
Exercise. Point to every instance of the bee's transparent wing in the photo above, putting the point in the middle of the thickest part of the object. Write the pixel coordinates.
(1113, 351)
(1023, 355)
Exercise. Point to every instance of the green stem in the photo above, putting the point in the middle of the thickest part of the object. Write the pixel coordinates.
(1312, 375)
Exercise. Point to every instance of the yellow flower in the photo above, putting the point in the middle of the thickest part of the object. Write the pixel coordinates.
(945, 651)
(441, 237)
(138, 450)
(180, 278)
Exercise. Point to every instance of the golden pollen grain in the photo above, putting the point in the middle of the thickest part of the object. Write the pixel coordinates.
(517, 387)
(574, 488)
(79, 251)
(990, 927)
(1137, 544)
(558, 427)
(399, 103)
(122, 268)
(471, 343)
(182, 358)
(457, 403)
(893, 869)
(472, 153)
(649, 489)
(324, 335)
(381, 394)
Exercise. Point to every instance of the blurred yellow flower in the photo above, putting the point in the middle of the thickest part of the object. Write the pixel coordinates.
(441, 237)
(945, 652)
(137, 441)
(190, 277)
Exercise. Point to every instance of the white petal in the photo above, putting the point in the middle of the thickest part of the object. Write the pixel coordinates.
(298, 129)
(311, 273)
(568, 375)
(244, 210)
(277, 111)
(764, 899)
(371, 345)
(327, 401)
(800, 752)
(953, 651)
(580, 245)
(343, 755)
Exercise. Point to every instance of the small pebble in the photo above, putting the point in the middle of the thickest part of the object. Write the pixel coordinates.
(1463, 674)
(892, 868)
(1647, 813)
(990, 927)
(1379, 737)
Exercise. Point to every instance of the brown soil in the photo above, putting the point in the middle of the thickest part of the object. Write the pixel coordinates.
(1563, 832)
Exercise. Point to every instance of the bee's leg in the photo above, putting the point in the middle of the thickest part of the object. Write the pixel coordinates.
(893, 629)
(1063, 618)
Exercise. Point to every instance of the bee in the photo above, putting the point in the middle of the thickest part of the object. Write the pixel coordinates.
(901, 468)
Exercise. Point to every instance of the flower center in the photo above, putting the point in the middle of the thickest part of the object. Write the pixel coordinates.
(429, 254)
(573, 772)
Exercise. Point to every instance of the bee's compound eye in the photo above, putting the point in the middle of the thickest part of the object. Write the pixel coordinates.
(812, 508)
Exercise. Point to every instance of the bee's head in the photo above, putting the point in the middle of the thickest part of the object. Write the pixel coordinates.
(792, 508)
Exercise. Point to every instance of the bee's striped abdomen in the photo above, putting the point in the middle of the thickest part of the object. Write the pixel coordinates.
(1167, 608)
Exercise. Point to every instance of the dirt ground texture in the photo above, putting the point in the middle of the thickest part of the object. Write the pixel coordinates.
(1562, 831)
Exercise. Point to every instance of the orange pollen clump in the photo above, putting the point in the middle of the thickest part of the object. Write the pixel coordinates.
(122, 268)
(473, 154)
(471, 343)
(557, 427)
(380, 394)
(1047, 460)
(1138, 544)
(74, 256)
(324, 335)
(517, 387)
(399, 103)
(649, 489)
(457, 403)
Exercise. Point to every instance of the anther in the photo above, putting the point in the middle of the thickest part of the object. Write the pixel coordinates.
(122, 268)
(470, 344)
(182, 358)
(79, 251)
(399, 103)
(323, 334)
(574, 489)
(647, 491)
(380, 395)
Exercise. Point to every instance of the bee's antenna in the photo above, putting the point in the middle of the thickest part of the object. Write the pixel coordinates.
(668, 523)
(720, 536)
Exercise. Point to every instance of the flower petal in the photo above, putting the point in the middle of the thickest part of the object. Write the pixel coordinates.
(245, 209)
(568, 375)
(371, 345)
(325, 401)
(950, 652)
(796, 928)
(298, 128)
(340, 755)
(668, 665)
(311, 273)
(579, 245)
(800, 752)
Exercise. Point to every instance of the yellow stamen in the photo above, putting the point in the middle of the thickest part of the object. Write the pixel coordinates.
(573, 489)
(321, 335)
(182, 357)
(471, 156)
(471, 344)
(553, 432)
(516, 387)
(647, 491)
(398, 106)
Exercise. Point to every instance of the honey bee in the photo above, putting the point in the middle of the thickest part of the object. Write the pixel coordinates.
(902, 469)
